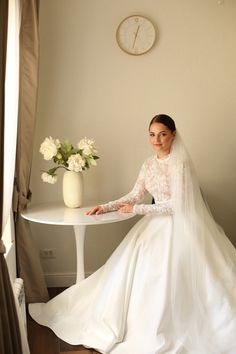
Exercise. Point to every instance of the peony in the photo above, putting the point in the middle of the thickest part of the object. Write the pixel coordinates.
(49, 148)
(88, 146)
(46, 177)
(65, 155)
(76, 163)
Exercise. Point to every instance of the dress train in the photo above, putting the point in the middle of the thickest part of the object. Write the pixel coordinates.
(125, 306)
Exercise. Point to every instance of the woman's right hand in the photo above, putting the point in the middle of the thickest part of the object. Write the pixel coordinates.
(96, 210)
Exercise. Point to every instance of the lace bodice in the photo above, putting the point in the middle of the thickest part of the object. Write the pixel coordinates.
(153, 178)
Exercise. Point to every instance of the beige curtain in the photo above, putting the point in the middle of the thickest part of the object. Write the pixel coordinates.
(28, 262)
(10, 340)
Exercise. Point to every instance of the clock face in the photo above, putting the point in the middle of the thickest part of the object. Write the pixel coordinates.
(136, 35)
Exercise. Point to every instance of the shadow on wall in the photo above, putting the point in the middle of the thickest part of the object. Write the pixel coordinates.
(221, 201)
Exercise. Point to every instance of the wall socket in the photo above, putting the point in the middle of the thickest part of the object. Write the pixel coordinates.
(47, 253)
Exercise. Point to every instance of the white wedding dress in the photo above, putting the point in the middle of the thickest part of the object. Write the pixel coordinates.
(127, 306)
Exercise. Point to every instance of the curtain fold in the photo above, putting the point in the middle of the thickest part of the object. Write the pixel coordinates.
(10, 338)
(28, 262)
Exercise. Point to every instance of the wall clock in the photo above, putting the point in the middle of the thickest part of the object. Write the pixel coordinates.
(136, 35)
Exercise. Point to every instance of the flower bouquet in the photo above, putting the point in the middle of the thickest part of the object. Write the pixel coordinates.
(74, 160)
(66, 156)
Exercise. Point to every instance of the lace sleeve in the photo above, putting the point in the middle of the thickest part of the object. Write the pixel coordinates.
(161, 208)
(135, 196)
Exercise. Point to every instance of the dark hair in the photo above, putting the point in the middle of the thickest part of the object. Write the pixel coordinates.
(164, 119)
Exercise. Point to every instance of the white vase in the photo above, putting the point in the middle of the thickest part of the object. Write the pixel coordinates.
(73, 189)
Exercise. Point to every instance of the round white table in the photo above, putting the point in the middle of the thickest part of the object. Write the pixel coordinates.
(56, 213)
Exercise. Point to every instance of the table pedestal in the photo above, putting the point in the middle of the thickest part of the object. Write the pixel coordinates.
(79, 240)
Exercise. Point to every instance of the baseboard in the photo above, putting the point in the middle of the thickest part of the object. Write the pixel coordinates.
(54, 280)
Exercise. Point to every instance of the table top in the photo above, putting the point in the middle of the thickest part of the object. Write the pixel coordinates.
(56, 213)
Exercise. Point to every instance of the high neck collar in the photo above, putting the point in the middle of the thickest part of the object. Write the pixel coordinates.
(162, 159)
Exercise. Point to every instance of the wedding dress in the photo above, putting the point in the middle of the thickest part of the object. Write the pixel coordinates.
(169, 287)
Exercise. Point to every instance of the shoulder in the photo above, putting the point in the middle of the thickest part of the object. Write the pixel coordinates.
(149, 161)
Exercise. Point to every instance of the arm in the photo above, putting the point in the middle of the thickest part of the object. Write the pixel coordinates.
(160, 208)
(129, 203)
(165, 207)
(136, 195)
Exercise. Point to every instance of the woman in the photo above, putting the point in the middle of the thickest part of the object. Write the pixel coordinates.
(169, 287)
(162, 132)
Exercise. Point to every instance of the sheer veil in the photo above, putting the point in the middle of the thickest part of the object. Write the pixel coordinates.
(197, 241)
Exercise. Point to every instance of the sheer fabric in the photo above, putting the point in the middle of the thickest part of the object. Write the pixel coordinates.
(168, 288)
(205, 259)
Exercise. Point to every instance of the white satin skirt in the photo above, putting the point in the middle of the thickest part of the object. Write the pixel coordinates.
(124, 307)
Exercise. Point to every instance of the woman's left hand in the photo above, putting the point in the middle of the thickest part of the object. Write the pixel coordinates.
(126, 208)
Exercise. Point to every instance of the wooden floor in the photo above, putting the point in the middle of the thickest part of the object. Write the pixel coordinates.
(42, 340)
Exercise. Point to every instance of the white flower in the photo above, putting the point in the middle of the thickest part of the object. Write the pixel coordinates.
(88, 146)
(76, 163)
(46, 177)
(66, 156)
(49, 148)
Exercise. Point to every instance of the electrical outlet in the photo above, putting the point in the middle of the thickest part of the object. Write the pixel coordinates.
(47, 253)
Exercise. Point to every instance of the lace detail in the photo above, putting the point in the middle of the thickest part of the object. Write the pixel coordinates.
(153, 178)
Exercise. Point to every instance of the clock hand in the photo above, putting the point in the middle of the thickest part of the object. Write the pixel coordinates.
(135, 37)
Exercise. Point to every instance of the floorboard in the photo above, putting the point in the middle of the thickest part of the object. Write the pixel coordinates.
(42, 340)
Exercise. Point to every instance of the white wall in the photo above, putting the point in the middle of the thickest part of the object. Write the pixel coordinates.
(89, 87)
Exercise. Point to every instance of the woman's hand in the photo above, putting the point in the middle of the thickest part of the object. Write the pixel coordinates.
(96, 210)
(126, 208)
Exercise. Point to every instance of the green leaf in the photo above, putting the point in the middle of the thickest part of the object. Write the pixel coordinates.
(74, 151)
(52, 171)
(66, 147)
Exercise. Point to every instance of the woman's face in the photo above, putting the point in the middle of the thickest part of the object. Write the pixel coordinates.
(161, 138)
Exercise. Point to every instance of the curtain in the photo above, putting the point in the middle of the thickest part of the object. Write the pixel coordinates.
(10, 337)
(11, 103)
(28, 262)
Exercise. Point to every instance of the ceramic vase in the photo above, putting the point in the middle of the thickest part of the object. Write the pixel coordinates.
(73, 189)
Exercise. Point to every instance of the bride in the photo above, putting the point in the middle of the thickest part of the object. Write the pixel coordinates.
(170, 286)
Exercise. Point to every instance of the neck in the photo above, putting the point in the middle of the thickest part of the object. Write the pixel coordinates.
(161, 155)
